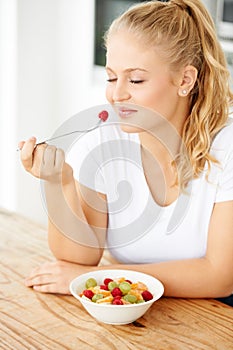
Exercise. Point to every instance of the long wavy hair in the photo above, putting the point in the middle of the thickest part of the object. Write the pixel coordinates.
(185, 33)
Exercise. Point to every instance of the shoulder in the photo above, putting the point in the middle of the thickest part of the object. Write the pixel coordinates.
(222, 145)
(225, 136)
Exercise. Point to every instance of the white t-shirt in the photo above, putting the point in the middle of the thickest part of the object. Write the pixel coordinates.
(108, 160)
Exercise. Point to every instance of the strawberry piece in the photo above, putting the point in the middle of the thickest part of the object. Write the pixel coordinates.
(88, 293)
(147, 295)
(116, 292)
(107, 280)
(103, 115)
(103, 286)
(128, 281)
(117, 301)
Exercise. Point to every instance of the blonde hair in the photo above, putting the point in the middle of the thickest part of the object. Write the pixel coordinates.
(185, 32)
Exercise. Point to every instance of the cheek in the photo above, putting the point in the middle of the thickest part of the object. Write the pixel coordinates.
(158, 96)
(108, 94)
(147, 98)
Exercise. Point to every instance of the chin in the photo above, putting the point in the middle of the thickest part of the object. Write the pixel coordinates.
(130, 129)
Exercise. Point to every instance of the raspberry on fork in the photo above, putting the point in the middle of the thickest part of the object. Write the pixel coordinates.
(103, 115)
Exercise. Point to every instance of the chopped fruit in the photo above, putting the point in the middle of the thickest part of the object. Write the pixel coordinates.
(119, 280)
(97, 297)
(103, 115)
(142, 286)
(125, 287)
(128, 281)
(137, 294)
(98, 290)
(117, 301)
(130, 298)
(107, 280)
(112, 285)
(88, 293)
(91, 282)
(116, 292)
(104, 286)
(106, 300)
(147, 295)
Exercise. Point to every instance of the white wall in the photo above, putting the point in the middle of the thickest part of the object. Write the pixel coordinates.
(55, 80)
(8, 100)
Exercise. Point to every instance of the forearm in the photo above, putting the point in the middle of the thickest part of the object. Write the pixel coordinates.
(191, 278)
(70, 236)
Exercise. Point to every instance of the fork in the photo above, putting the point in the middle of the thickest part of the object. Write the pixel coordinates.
(70, 133)
(103, 116)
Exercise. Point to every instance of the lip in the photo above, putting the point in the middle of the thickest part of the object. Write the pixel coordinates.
(126, 112)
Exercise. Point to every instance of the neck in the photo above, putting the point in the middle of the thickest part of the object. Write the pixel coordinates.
(164, 142)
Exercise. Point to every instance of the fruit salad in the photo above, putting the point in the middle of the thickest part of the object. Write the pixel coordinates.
(118, 291)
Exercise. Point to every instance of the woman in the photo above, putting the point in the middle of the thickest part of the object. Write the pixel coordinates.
(167, 80)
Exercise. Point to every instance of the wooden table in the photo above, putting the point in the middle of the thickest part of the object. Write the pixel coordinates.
(32, 320)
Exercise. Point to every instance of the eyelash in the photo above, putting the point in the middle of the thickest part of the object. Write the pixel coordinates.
(131, 81)
(111, 80)
(135, 81)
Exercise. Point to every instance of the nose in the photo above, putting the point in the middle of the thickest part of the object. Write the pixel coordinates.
(120, 92)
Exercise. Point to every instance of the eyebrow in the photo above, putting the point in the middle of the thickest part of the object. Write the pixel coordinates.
(128, 70)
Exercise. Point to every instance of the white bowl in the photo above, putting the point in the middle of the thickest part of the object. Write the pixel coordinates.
(116, 314)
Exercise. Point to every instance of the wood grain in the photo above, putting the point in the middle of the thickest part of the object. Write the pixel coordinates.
(36, 321)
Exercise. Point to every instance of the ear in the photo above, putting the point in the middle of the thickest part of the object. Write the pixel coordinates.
(189, 77)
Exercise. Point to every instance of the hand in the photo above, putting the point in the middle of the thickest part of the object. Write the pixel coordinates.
(45, 162)
(55, 277)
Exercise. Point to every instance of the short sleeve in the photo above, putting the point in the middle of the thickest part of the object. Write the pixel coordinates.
(225, 183)
(84, 156)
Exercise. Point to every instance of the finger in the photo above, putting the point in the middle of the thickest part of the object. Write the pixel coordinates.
(59, 159)
(48, 284)
(20, 145)
(39, 280)
(38, 271)
(27, 153)
(38, 158)
(29, 281)
(49, 157)
(44, 269)
(46, 288)
(54, 288)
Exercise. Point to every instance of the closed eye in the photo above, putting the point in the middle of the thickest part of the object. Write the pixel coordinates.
(132, 81)
(136, 81)
(111, 80)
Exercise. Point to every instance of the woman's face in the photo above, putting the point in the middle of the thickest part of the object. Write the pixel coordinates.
(137, 75)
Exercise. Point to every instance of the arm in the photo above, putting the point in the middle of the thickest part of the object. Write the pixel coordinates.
(93, 215)
(207, 277)
(71, 236)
